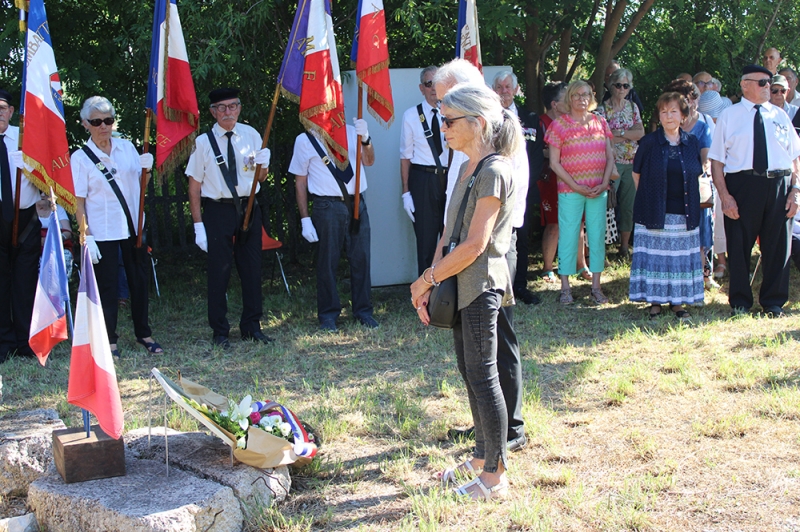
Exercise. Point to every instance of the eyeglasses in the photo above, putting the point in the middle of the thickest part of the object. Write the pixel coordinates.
(220, 107)
(621, 86)
(702, 83)
(761, 82)
(97, 121)
(582, 96)
(776, 91)
(5, 108)
(449, 121)
(428, 84)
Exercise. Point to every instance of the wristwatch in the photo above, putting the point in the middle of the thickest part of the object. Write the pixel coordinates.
(369, 141)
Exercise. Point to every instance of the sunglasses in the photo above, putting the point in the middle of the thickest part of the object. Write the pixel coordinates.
(428, 84)
(220, 107)
(761, 82)
(449, 121)
(621, 86)
(97, 121)
(702, 83)
(776, 91)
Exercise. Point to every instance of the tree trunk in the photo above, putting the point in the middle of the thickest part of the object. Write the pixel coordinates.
(563, 54)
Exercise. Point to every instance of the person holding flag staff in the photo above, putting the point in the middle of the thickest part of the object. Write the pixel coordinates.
(19, 265)
(221, 171)
(106, 173)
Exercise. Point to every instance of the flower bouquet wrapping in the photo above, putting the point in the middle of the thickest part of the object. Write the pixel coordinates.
(262, 434)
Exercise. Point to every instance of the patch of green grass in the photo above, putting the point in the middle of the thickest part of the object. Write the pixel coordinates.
(531, 513)
(733, 426)
(780, 402)
(620, 389)
(741, 373)
(643, 445)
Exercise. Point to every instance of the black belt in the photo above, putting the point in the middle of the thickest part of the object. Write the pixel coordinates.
(429, 169)
(333, 198)
(772, 174)
(227, 201)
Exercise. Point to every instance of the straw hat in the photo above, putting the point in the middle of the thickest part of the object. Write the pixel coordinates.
(712, 103)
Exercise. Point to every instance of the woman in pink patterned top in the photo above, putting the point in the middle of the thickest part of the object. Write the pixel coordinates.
(582, 157)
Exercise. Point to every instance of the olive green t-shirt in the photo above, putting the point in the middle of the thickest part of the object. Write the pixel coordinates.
(490, 269)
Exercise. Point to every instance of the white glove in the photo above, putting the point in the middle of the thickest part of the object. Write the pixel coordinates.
(146, 161)
(361, 129)
(262, 157)
(200, 237)
(16, 158)
(309, 233)
(408, 205)
(94, 251)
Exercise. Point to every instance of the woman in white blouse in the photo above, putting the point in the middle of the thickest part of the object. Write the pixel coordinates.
(110, 229)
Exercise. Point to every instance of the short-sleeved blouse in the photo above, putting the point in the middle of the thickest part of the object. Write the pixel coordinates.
(624, 151)
(490, 269)
(583, 149)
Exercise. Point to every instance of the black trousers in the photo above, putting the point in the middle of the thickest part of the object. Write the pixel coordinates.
(221, 222)
(762, 215)
(520, 278)
(19, 270)
(137, 270)
(428, 192)
(509, 363)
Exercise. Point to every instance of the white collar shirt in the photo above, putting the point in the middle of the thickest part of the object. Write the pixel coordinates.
(732, 143)
(104, 214)
(203, 167)
(790, 109)
(513, 110)
(520, 179)
(307, 162)
(413, 144)
(28, 193)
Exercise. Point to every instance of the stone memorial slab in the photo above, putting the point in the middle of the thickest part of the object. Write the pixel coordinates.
(25, 448)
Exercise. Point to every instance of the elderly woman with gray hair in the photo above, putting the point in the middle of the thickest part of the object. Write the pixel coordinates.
(106, 173)
(476, 124)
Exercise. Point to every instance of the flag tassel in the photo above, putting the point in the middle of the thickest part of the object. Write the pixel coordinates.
(251, 200)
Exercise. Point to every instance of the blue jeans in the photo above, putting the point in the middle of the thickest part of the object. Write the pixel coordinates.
(475, 337)
(332, 221)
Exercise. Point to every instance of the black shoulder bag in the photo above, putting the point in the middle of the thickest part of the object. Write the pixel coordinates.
(341, 177)
(140, 253)
(441, 171)
(443, 303)
(241, 234)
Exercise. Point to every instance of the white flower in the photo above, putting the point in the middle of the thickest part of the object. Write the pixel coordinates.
(241, 443)
(267, 422)
(241, 413)
(286, 429)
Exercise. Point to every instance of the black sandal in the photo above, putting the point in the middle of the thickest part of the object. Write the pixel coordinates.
(152, 347)
(655, 315)
(681, 313)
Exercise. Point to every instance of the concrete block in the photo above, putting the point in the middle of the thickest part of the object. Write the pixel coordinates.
(144, 500)
(25, 448)
(209, 457)
(23, 523)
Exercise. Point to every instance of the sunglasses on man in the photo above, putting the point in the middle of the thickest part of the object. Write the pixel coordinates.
(776, 91)
(761, 82)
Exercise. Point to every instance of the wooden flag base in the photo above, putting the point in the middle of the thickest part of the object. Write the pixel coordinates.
(79, 458)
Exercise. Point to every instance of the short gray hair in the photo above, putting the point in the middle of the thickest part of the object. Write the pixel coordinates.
(717, 84)
(501, 130)
(619, 74)
(458, 71)
(425, 70)
(96, 103)
(505, 74)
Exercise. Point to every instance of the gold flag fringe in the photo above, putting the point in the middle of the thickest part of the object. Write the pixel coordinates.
(180, 152)
(48, 183)
(290, 95)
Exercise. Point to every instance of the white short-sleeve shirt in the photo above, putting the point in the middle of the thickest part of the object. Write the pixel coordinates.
(732, 142)
(413, 144)
(306, 161)
(104, 213)
(28, 193)
(203, 167)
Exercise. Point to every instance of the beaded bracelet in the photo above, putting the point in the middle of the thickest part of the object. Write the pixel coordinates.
(433, 279)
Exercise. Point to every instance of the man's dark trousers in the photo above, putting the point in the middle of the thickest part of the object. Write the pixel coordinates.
(762, 213)
(428, 191)
(509, 364)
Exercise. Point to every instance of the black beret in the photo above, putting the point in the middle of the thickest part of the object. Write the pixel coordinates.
(6, 97)
(756, 69)
(226, 93)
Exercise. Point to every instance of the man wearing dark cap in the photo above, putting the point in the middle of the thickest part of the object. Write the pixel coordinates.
(221, 171)
(754, 163)
(19, 266)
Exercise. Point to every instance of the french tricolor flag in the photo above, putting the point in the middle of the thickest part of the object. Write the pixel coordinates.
(370, 57)
(92, 378)
(468, 40)
(170, 89)
(44, 144)
(49, 320)
(310, 76)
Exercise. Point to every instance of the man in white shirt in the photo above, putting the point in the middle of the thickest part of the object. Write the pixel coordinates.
(212, 183)
(331, 223)
(19, 267)
(754, 164)
(792, 96)
(423, 174)
(780, 86)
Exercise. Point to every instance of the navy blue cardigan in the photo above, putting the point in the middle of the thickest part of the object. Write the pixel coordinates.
(650, 162)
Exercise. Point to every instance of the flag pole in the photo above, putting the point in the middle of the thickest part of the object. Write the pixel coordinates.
(83, 227)
(357, 192)
(67, 306)
(143, 183)
(251, 199)
(23, 28)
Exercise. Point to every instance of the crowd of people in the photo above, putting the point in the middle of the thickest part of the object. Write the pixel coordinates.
(476, 173)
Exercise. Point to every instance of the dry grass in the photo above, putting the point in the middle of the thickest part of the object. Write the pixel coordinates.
(632, 424)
